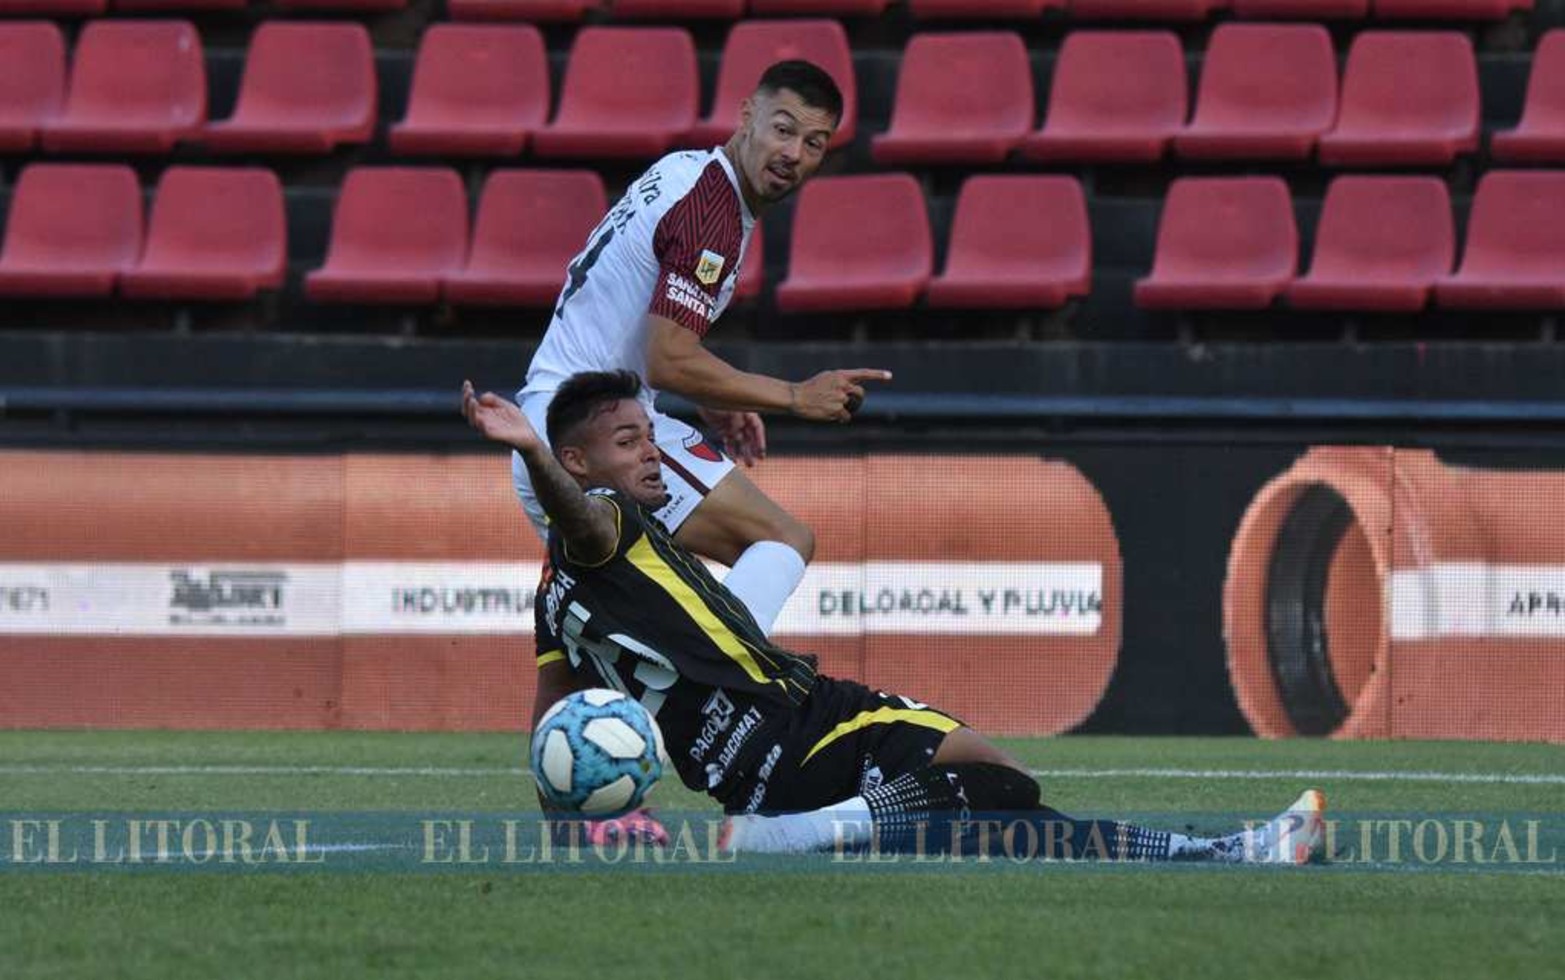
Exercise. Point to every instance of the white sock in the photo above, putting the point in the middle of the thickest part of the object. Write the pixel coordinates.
(764, 577)
(845, 824)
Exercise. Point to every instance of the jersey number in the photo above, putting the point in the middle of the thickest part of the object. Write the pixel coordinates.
(578, 270)
(654, 672)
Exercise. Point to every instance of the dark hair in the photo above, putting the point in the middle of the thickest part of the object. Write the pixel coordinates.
(808, 81)
(580, 396)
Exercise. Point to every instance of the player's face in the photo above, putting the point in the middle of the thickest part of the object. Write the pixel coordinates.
(782, 143)
(619, 453)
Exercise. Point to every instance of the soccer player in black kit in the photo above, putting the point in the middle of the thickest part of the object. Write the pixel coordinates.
(799, 761)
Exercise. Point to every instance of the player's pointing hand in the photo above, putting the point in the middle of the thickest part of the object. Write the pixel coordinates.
(498, 419)
(833, 396)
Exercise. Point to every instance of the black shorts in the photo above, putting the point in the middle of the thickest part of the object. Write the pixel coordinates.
(845, 740)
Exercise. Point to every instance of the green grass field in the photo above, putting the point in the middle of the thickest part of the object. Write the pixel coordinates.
(801, 917)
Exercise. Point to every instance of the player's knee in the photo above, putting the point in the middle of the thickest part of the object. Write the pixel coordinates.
(801, 538)
(792, 532)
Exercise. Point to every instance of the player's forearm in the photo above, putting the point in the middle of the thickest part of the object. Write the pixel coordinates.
(707, 380)
(588, 530)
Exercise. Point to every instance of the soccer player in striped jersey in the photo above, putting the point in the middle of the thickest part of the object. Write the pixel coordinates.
(799, 760)
(642, 294)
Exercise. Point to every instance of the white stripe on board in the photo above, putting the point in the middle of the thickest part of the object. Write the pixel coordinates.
(1341, 775)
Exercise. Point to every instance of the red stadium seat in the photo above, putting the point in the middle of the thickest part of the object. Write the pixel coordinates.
(981, 9)
(1449, 9)
(477, 91)
(1515, 254)
(859, 243)
(135, 87)
(1381, 244)
(1540, 137)
(1267, 92)
(835, 8)
(1301, 9)
(1144, 9)
(341, 6)
(32, 81)
(678, 9)
(307, 87)
(1222, 243)
(396, 233)
(755, 45)
(53, 8)
(752, 274)
(530, 224)
(1408, 99)
(73, 229)
(961, 98)
(1016, 242)
(628, 92)
(542, 11)
(144, 6)
(215, 233)
(1117, 96)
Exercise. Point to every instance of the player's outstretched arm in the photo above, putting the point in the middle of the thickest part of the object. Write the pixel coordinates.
(588, 525)
(677, 361)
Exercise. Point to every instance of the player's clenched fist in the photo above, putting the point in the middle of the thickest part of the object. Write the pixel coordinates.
(833, 396)
(498, 419)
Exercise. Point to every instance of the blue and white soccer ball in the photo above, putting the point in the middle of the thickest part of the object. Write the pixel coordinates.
(598, 753)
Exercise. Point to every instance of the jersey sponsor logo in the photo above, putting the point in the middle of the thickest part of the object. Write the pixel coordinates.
(710, 269)
(871, 778)
(683, 292)
(717, 715)
(717, 771)
(762, 774)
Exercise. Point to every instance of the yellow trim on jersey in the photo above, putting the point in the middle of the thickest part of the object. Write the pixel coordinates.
(885, 716)
(550, 657)
(652, 565)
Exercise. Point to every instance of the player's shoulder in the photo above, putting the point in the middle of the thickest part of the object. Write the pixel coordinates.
(687, 173)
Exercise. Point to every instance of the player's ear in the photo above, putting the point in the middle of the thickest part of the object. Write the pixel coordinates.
(747, 110)
(574, 459)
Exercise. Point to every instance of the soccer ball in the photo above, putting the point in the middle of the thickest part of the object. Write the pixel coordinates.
(598, 753)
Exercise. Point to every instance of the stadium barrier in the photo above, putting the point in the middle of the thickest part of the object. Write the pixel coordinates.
(395, 591)
(1377, 592)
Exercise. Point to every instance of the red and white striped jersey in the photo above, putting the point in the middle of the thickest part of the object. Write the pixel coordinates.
(671, 246)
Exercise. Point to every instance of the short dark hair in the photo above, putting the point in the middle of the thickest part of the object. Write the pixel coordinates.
(578, 399)
(808, 81)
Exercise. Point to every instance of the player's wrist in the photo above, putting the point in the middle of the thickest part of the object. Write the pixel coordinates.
(793, 398)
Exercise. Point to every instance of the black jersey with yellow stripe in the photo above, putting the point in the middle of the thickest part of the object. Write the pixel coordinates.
(651, 621)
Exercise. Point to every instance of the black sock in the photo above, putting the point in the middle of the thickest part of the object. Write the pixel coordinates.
(933, 809)
(1062, 837)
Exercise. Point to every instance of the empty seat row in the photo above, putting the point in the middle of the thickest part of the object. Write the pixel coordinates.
(140, 86)
(220, 233)
(97, 8)
(1163, 10)
(1383, 244)
(1016, 242)
(401, 235)
(76, 230)
(1266, 92)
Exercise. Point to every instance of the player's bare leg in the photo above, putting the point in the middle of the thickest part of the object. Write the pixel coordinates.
(765, 547)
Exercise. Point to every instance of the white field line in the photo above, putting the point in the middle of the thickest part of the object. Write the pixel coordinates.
(440, 772)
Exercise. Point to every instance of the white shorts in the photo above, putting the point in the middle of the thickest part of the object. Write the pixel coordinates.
(691, 466)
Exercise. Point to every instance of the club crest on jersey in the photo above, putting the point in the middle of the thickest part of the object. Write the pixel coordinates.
(710, 268)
